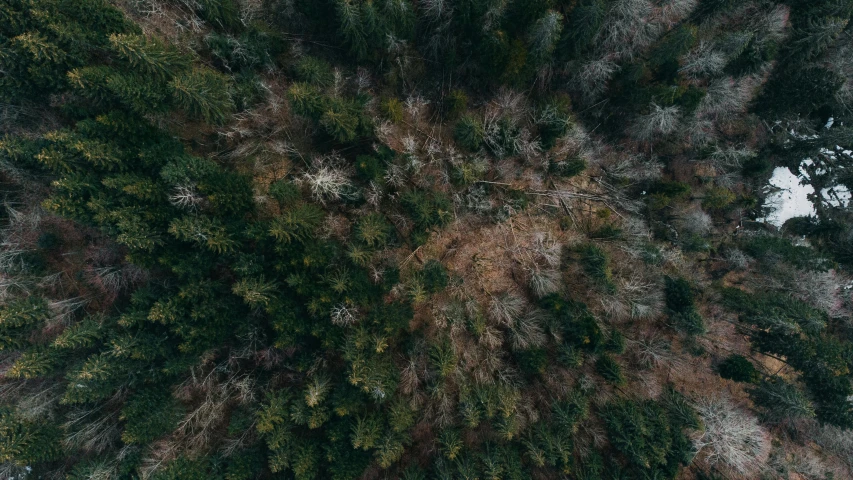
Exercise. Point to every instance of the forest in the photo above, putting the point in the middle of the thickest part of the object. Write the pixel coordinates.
(425, 239)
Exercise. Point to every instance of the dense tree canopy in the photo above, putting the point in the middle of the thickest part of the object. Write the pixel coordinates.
(494, 239)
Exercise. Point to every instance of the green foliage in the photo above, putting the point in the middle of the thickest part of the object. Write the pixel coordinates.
(596, 264)
(610, 370)
(282, 422)
(770, 248)
(663, 193)
(679, 295)
(689, 322)
(781, 401)
(569, 167)
(533, 361)
(616, 342)
(677, 42)
(392, 109)
(576, 324)
(223, 13)
(428, 210)
(804, 88)
(373, 230)
(585, 21)
(340, 123)
(789, 329)
(18, 318)
(738, 368)
(284, 192)
(204, 232)
(199, 294)
(718, 198)
(39, 49)
(185, 468)
(467, 173)
(715, 6)
(455, 104)
(341, 119)
(606, 232)
(296, 223)
(569, 357)
(256, 292)
(252, 49)
(245, 465)
(24, 443)
(203, 93)
(148, 415)
(681, 306)
(649, 436)
(450, 444)
(149, 56)
(351, 28)
(366, 432)
(816, 37)
(554, 120)
(34, 363)
(434, 276)
(369, 167)
(469, 133)
(444, 359)
(81, 335)
(305, 99)
(692, 242)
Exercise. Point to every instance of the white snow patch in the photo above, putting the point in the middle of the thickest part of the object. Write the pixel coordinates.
(790, 196)
(840, 195)
(790, 200)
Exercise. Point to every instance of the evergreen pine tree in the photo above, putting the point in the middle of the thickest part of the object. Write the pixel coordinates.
(203, 93)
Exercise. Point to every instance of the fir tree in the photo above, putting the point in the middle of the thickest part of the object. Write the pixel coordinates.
(203, 93)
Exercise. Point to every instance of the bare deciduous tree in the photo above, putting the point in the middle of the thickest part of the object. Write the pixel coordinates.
(91, 430)
(673, 11)
(696, 221)
(732, 438)
(737, 259)
(507, 308)
(633, 168)
(546, 33)
(543, 281)
(820, 289)
(653, 350)
(434, 8)
(63, 310)
(216, 393)
(659, 121)
(702, 62)
(726, 98)
(731, 156)
(629, 28)
(592, 77)
(249, 10)
(526, 331)
(343, 315)
(834, 439)
(329, 181)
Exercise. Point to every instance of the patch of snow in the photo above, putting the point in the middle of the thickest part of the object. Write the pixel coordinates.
(837, 196)
(790, 200)
(790, 196)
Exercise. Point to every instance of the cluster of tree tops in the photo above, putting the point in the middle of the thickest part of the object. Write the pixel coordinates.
(243, 295)
(490, 43)
(553, 44)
